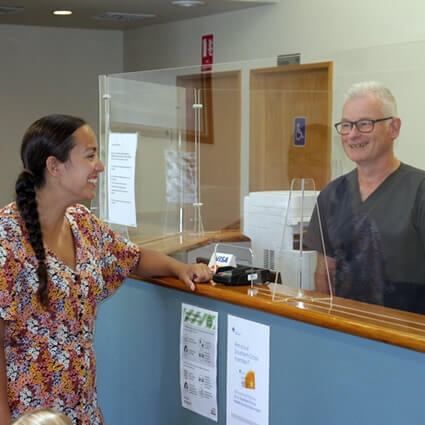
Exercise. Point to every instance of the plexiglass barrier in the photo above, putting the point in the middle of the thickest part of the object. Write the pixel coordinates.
(187, 163)
(219, 150)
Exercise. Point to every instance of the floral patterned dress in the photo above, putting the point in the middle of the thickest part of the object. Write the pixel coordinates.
(50, 358)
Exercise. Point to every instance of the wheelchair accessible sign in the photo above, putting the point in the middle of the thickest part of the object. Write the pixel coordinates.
(299, 131)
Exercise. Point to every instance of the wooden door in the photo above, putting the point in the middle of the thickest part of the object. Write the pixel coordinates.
(278, 95)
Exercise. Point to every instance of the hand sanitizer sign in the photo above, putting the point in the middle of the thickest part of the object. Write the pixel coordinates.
(299, 131)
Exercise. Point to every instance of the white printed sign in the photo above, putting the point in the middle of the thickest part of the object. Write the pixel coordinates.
(248, 369)
(198, 360)
(121, 174)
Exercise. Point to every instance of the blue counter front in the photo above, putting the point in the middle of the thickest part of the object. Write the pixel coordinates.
(317, 375)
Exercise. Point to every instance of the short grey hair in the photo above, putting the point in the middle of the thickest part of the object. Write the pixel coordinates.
(381, 92)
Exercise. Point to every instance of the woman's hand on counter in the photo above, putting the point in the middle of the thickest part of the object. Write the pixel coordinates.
(156, 264)
(190, 274)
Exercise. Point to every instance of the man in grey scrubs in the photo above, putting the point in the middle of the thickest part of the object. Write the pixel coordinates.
(373, 218)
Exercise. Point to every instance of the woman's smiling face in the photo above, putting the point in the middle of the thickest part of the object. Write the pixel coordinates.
(81, 170)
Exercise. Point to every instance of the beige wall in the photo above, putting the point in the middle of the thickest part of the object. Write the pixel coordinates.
(365, 40)
(48, 70)
(306, 26)
(45, 70)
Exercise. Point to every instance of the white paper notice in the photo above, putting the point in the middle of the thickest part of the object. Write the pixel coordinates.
(121, 171)
(198, 360)
(180, 176)
(248, 368)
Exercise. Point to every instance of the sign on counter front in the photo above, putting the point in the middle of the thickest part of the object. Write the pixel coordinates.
(198, 360)
(248, 369)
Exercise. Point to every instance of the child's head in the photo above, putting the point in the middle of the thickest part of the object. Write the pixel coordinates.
(43, 417)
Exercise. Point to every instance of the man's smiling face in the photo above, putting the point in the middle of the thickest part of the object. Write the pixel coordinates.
(366, 148)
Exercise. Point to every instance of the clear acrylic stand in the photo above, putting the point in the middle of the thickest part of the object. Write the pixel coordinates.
(295, 263)
(184, 172)
(197, 205)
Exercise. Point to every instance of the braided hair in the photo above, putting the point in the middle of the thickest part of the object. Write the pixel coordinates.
(51, 135)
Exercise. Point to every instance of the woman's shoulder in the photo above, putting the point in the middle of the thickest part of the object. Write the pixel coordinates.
(84, 217)
(78, 210)
(11, 225)
(9, 210)
(9, 215)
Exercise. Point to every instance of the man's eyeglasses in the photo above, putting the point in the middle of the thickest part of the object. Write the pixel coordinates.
(364, 126)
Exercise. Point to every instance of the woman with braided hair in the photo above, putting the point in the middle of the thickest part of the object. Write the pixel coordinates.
(57, 262)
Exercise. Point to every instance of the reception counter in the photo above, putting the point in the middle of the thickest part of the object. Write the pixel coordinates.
(338, 362)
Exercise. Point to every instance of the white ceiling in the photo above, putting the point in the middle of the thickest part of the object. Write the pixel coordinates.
(39, 12)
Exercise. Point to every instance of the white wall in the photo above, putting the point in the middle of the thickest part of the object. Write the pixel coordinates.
(48, 70)
(306, 26)
(365, 40)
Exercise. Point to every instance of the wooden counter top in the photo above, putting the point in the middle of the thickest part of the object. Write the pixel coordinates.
(171, 244)
(365, 320)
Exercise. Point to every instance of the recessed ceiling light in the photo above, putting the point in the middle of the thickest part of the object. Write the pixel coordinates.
(62, 12)
(188, 3)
